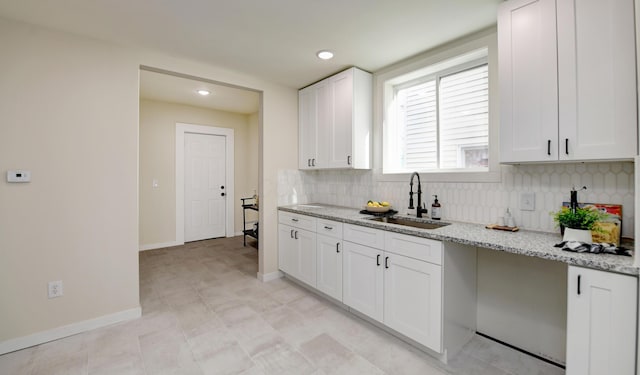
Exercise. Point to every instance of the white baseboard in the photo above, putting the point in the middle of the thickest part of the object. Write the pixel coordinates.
(265, 278)
(159, 245)
(68, 330)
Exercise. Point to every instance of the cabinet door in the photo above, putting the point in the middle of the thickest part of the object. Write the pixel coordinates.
(601, 323)
(363, 277)
(329, 266)
(325, 122)
(528, 81)
(287, 252)
(306, 248)
(308, 127)
(341, 130)
(413, 299)
(597, 79)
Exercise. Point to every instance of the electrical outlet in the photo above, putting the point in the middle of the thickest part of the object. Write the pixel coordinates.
(528, 201)
(55, 289)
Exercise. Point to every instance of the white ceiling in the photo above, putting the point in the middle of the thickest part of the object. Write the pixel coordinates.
(275, 40)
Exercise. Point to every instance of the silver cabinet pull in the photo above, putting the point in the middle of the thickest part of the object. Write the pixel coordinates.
(294, 220)
(291, 233)
(295, 235)
(349, 160)
(328, 227)
(338, 247)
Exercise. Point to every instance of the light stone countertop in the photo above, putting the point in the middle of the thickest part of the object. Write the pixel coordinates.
(529, 243)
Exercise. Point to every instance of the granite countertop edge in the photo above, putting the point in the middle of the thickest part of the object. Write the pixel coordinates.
(528, 243)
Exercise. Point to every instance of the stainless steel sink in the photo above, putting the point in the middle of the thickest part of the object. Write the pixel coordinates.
(410, 222)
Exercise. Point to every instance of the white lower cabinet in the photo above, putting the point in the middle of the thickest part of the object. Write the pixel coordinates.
(297, 248)
(329, 265)
(287, 249)
(306, 270)
(363, 277)
(413, 299)
(392, 278)
(395, 285)
(601, 322)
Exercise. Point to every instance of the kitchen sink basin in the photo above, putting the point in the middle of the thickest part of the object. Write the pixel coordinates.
(416, 223)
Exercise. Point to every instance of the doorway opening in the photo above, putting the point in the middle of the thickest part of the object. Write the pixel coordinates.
(172, 108)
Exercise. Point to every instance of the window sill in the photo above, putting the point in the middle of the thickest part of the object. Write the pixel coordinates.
(492, 176)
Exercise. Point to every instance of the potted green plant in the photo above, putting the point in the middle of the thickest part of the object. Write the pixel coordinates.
(576, 225)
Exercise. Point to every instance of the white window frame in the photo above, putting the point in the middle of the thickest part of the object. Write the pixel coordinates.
(450, 58)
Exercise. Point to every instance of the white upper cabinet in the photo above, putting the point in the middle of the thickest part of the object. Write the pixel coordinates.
(597, 79)
(528, 80)
(308, 126)
(567, 80)
(335, 117)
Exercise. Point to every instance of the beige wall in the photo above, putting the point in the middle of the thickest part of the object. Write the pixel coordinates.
(69, 111)
(253, 158)
(157, 160)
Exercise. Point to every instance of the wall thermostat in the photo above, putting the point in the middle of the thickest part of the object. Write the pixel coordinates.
(19, 176)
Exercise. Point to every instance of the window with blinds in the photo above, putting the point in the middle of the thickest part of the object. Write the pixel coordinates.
(441, 122)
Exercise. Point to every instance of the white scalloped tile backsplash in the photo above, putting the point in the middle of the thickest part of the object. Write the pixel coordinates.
(611, 182)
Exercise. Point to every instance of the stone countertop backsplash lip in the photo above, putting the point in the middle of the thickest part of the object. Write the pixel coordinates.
(523, 242)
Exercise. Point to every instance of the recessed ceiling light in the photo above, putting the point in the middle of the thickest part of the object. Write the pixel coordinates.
(324, 55)
(204, 92)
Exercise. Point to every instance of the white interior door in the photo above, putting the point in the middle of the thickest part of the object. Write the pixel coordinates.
(204, 190)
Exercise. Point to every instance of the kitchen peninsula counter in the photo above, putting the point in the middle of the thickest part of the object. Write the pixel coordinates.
(523, 242)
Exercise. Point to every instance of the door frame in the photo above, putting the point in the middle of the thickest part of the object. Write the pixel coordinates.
(181, 129)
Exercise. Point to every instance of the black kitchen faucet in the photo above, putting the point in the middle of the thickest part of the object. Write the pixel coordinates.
(420, 210)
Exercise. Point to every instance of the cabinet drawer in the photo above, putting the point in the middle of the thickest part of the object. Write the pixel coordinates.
(414, 247)
(329, 228)
(298, 221)
(364, 236)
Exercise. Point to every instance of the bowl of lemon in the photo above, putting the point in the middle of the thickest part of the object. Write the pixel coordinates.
(373, 206)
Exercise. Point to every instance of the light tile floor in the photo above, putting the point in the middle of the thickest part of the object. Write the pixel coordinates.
(204, 312)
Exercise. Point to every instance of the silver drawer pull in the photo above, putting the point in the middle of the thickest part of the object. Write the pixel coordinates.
(294, 220)
(328, 227)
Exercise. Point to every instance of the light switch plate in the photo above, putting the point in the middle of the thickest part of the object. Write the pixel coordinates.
(528, 201)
